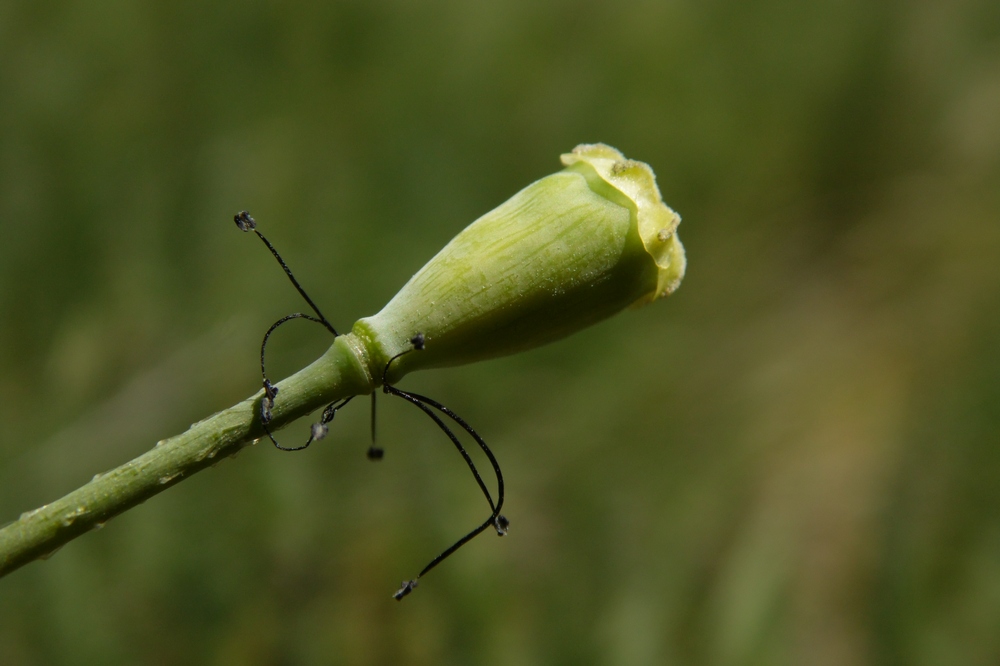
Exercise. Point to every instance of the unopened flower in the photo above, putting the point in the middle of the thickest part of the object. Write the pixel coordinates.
(565, 252)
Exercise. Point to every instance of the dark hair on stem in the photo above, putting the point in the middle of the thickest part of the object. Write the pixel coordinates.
(320, 429)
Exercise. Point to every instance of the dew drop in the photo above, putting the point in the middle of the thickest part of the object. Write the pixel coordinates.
(70, 517)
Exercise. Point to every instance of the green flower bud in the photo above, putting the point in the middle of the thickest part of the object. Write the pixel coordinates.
(563, 253)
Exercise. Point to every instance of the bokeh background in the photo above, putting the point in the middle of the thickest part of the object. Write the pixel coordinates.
(793, 460)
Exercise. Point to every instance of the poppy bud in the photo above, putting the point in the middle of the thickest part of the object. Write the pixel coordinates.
(563, 253)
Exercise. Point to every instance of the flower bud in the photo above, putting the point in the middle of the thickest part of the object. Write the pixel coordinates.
(563, 253)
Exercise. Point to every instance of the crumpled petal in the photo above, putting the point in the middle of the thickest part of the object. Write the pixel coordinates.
(657, 222)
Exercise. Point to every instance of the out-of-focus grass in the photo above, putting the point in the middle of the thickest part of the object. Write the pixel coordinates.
(794, 459)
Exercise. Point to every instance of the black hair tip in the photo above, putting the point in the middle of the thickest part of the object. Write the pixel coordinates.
(501, 524)
(375, 453)
(244, 221)
(407, 587)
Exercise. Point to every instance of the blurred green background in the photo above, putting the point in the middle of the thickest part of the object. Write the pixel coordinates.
(793, 460)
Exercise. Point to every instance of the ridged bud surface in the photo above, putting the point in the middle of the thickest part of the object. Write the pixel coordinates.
(565, 252)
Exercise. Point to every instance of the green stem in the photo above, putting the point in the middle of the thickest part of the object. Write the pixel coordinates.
(36, 534)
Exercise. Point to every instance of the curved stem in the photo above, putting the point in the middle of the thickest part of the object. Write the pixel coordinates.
(335, 375)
